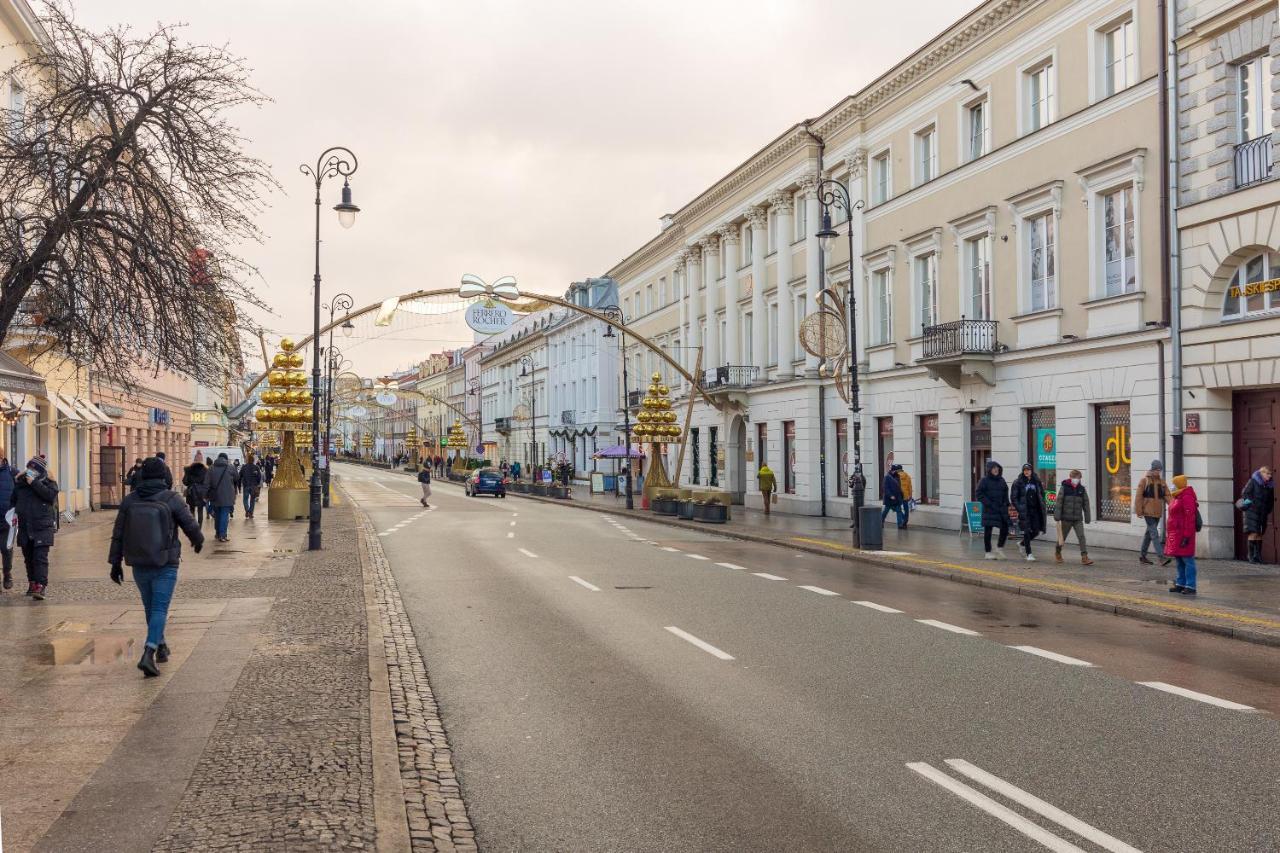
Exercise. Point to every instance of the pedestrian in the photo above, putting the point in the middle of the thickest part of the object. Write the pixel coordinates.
(268, 468)
(195, 485)
(235, 483)
(1183, 524)
(1151, 498)
(993, 494)
(145, 536)
(222, 495)
(131, 475)
(7, 484)
(424, 478)
(1027, 495)
(1071, 511)
(904, 480)
(768, 485)
(506, 469)
(1257, 501)
(891, 496)
(515, 471)
(35, 498)
(168, 474)
(250, 485)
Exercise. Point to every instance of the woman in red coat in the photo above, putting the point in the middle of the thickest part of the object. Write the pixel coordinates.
(1180, 541)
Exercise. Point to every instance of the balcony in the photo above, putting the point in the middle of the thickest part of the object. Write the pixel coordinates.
(634, 398)
(729, 376)
(1254, 161)
(959, 349)
(502, 425)
(568, 417)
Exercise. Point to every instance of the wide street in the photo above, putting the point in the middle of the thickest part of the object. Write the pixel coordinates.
(610, 684)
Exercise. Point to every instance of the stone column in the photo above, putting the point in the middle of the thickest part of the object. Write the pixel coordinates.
(692, 277)
(711, 272)
(759, 342)
(677, 293)
(813, 272)
(857, 163)
(730, 351)
(786, 312)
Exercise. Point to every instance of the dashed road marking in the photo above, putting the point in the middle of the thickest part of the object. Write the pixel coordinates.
(733, 566)
(510, 535)
(672, 550)
(697, 557)
(527, 553)
(1069, 661)
(1199, 697)
(768, 576)
(580, 582)
(702, 644)
(955, 629)
(819, 590)
(879, 607)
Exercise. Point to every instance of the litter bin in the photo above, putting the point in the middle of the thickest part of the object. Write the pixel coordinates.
(871, 528)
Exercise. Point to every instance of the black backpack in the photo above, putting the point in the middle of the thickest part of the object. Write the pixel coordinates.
(148, 533)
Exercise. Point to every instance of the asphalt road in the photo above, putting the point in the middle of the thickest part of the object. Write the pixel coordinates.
(609, 684)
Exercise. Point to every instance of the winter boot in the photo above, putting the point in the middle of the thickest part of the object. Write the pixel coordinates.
(148, 663)
(1084, 559)
(1255, 551)
(162, 653)
(8, 580)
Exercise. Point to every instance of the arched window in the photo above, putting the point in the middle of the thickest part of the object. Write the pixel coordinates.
(1254, 289)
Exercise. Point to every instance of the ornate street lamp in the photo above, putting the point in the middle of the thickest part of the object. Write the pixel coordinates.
(614, 313)
(331, 163)
(340, 302)
(528, 369)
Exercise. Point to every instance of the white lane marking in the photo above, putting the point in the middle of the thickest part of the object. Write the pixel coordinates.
(879, 607)
(996, 810)
(768, 576)
(580, 582)
(697, 557)
(527, 553)
(514, 514)
(510, 535)
(1040, 807)
(819, 590)
(733, 566)
(1069, 661)
(672, 550)
(955, 629)
(1199, 697)
(386, 533)
(511, 524)
(702, 644)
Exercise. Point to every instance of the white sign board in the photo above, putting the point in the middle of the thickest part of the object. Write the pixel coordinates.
(489, 319)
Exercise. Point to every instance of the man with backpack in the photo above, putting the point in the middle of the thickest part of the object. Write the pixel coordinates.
(222, 495)
(145, 536)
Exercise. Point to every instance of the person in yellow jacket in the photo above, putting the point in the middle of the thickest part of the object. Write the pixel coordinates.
(768, 484)
(904, 479)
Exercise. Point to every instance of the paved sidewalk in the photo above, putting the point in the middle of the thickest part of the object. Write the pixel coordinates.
(1235, 598)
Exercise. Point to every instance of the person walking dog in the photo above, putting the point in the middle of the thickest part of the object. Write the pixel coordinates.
(1151, 496)
(1027, 495)
(424, 479)
(145, 536)
(1071, 511)
(993, 494)
(768, 485)
(1184, 522)
(35, 497)
(1257, 501)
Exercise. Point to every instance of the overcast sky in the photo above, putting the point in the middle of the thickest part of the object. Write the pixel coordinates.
(537, 139)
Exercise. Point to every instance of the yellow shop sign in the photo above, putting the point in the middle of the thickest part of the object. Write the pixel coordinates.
(1254, 288)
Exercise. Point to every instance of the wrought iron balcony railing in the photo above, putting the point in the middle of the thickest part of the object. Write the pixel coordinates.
(1254, 161)
(960, 337)
(502, 425)
(730, 376)
(634, 398)
(568, 417)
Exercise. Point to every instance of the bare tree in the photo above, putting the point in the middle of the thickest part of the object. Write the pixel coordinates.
(123, 192)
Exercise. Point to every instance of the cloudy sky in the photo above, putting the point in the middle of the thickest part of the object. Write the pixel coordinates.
(537, 139)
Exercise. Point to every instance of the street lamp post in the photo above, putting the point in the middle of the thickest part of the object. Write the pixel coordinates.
(473, 388)
(331, 163)
(341, 302)
(833, 193)
(614, 313)
(528, 368)
(334, 367)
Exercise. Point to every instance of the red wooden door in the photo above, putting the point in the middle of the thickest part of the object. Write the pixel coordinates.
(1256, 432)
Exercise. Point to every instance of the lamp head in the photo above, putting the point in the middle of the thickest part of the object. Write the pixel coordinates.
(827, 236)
(346, 209)
(348, 328)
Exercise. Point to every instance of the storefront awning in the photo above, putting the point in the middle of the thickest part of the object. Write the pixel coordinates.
(21, 403)
(17, 378)
(92, 413)
(65, 408)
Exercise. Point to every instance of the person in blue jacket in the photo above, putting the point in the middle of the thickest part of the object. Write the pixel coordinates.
(891, 494)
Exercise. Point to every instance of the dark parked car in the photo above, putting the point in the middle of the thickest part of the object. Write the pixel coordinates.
(486, 481)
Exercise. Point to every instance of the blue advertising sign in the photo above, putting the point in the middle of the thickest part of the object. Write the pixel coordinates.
(973, 515)
(1047, 449)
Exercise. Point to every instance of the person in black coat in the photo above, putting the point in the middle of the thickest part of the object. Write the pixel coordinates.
(156, 574)
(1027, 496)
(1257, 501)
(131, 476)
(168, 473)
(268, 468)
(195, 485)
(993, 494)
(250, 485)
(891, 496)
(35, 497)
(7, 484)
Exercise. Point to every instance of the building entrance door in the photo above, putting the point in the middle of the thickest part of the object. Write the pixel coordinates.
(1255, 427)
(111, 476)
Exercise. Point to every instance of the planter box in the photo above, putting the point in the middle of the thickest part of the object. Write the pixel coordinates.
(712, 513)
(685, 510)
(562, 492)
(666, 506)
(538, 489)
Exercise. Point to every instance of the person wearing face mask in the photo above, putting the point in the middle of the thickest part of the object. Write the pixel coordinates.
(1257, 500)
(1181, 540)
(1028, 498)
(35, 497)
(1071, 511)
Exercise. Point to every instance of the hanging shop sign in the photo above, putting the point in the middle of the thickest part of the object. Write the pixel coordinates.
(489, 318)
(385, 398)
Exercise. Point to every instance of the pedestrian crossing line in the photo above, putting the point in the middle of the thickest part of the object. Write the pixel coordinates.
(819, 590)
(768, 576)
(946, 626)
(1054, 656)
(880, 607)
(580, 582)
(1199, 697)
(733, 566)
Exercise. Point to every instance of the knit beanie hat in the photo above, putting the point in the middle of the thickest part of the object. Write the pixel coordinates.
(1180, 481)
(1157, 465)
(153, 468)
(35, 463)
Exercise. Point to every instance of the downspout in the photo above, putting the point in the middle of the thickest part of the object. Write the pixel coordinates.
(1163, 91)
(1171, 256)
(822, 401)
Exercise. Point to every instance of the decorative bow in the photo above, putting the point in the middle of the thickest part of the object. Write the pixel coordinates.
(503, 288)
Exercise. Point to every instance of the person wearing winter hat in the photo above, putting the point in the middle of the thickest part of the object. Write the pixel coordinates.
(1257, 500)
(1071, 511)
(1027, 496)
(35, 499)
(993, 494)
(1151, 496)
(1181, 540)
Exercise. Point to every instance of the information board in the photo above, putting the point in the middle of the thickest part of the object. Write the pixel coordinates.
(973, 515)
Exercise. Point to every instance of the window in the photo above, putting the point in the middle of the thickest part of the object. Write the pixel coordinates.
(1119, 58)
(929, 460)
(1118, 240)
(881, 178)
(789, 457)
(773, 333)
(771, 220)
(713, 457)
(842, 457)
(1253, 289)
(1042, 447)
(977, 123)
(800, 311)
(17, 107)
(926, 279)
(762, 445)
(926, 155)
(648, 297)
(882, 304)
(747, 241)
(1043, 263)
(1254, 97)
(696, 449)
(1113, 460)
(662, 291)
(1039, 97)
(748, 329)
(977, 265)
(884, 444)
(798, 217)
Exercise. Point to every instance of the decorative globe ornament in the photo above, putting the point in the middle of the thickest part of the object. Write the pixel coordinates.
(286, 344)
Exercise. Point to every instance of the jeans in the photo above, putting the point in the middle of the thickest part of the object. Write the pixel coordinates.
(1152, 535)
(1186, 572)
(250, 499)
(222, 515)
(986, 535)
(36, 560)
(156, 587)
(897, 511)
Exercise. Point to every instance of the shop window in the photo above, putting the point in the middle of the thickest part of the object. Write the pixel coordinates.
(930, 460)
(762, 444)
(1042, 446)
(884, 438)
(789, 457)
(979, 447)
(1113, 460)
(695, 448)
(1254, 289)
(713, 457)
(842, 457)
